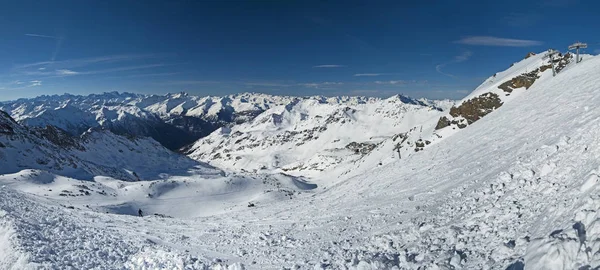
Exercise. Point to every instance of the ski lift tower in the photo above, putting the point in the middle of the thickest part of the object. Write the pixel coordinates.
(551, 53)
(576, 46)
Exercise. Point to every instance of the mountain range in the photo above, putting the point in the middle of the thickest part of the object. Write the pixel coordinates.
(506, 178)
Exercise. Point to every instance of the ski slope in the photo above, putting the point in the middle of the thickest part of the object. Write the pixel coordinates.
(517, 189)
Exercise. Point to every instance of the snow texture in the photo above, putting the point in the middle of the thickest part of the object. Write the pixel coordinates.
(518, 189)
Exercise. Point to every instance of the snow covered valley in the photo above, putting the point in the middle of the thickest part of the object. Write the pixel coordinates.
(515, 189)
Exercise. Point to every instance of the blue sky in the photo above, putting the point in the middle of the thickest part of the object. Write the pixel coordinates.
(433, 49)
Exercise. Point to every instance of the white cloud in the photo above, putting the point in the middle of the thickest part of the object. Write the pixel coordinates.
(35, 83)
(463, 57)
(368, 74)
(320, 85)
(66, 72)
(398, 82)
(41, 36)
(496, 41)
(439, 67)
(267, 84)
(457, 59)
(329, 66)
(189, 82)
(81, 62)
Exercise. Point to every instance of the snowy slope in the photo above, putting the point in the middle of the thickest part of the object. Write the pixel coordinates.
(501, 88)
(517, 189)
(96, 152)
(174, 120)
(309, 136)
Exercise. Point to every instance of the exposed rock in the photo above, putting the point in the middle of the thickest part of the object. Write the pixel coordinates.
(529, 55)
(58, 137)
(562, 62)
(6, 124)
(523, 80)
(361, 148)
(442, 123)
(544, 68)
(476, 108)
(420, 144)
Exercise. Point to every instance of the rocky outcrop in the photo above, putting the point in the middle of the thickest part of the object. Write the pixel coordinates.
(6, 124)
(361, 148)
(476, 108)
(58, 137)
(523, 80)
(530, 54)
(442, 123)
(420, 144)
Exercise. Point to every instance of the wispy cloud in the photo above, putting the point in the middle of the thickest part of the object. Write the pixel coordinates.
(321, 85)
(88, 66)
(41, 36)
(457, 59)
(268, 84)
(329, 66)
(397, 82)
(496, 41)
(66, 72)
(73, 63)
(126, 68)
(153, 74)
(35, 83)
(189, 82)
(368, 74)
(59, 40)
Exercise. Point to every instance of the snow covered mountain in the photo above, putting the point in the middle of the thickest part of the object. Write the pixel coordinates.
(515, 186)
(309, 136)
(174, 120)
(338, 140)
(95, 152)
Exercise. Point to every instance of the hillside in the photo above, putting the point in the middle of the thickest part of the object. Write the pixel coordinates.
(95, 152)
(516, 189)
(309, 137)
(174, 120)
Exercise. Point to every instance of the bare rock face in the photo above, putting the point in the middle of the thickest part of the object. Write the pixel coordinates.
(6, 124)
(476, 108)
(530, 54)
(361, 148)
(563, 61)
(442, 123)
(59, 137)
(524, 80)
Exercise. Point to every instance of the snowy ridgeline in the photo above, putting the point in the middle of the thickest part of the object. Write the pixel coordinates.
(162, 117)
(95, 152)
(310, 138)
(514, 188)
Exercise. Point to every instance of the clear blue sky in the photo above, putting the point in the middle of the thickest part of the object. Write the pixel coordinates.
(433, 49)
